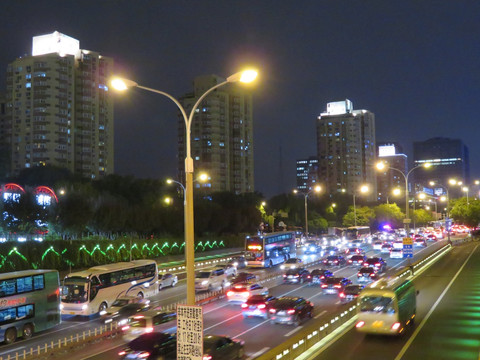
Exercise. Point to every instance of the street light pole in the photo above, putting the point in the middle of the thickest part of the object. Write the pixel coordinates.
(354, 210)
(316, 189)
(123, 84)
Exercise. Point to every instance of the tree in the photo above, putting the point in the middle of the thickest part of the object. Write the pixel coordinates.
(422, 217)
(365, 215)
(388, 213)
(466, 213)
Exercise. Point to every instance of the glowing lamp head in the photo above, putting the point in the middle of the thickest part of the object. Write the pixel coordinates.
(317, 188)
(427, 165)
(203, 177)
(380, 165)
(246, 76)
(364, 188)
(122, 84)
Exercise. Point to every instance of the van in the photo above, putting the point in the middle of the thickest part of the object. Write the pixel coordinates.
(210, 280)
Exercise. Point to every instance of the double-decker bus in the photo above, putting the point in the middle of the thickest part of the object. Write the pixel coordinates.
(386, 307)
(357, 232)
(271, 249)
(91, 291)
(29, 302)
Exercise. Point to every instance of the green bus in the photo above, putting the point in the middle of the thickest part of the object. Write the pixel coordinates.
(29, 302)
(386, 306)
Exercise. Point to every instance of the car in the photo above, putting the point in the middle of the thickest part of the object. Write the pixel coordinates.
(350, 293)
(119, 303)
(334, 285)
(431, 237)
(354, 250)
(244, 277)
(145, 322)
(396, 254)
(158, 345)
(330, 240)
(121, 315)
(290, 310)
(311, 247)
(257, 306)
(291, 263)
(377, 245)
(239, 293)
(398, 244)
(229, 269)
(386, 247)
(318, 275)
(165, 280)
(376, 262)
(331, 250)
(357, 260)
(357, 243)
(367, 274)
(296, 276)
(210, 280)
(419, 242)
(238, 261)
(334, 260)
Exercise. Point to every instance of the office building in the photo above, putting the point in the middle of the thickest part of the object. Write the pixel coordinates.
(307, 173)
(449, 159)
(59, 110)
(346, 149)
(391, 179)
(221, 136)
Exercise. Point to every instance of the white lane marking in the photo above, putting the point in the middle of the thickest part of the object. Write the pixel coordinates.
(16, 349)
(322, 313)
(417, 330)
(293, 331)
(258, 353)
(221, 322)
(238, 335)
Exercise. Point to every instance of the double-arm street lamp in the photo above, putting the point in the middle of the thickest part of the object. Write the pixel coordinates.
(202, 177)
(363, 189)
(446, 199)
(124, 84)
(383, 166)
(316, 189)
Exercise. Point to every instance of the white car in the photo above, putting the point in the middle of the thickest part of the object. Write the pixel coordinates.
(165, 280)
(291, 263)
(398, 244)
(396, 254)
(229, 269)
(122, 302)
(241, 292)
(377, 245)
(210, 280)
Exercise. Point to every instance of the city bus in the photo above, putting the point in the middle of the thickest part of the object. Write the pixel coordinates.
(271, 249)
(91, 291)
(29, 302)
(386, 307)
(357, 232)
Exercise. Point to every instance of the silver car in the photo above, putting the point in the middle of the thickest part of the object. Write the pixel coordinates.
(166, 280)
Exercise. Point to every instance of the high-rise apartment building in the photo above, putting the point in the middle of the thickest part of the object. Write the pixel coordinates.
(449, 159)
(221, 136)
(391, 179)
(59, 110)
(346, 149)
(307, 173)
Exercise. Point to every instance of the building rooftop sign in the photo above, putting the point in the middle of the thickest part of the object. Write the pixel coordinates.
(55, 43)
(339, 107)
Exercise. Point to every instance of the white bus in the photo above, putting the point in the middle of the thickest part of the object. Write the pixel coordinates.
(386, 306)
(91, 291)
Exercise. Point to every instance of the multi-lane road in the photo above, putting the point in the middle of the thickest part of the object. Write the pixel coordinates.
(260, 335)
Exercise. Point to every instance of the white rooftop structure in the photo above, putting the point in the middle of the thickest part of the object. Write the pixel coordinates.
(55, 43)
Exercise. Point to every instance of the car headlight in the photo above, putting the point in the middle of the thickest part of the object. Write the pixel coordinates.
(61, 306)
(204, 282)
(282, 267)
(103, 312)
(122, 322)
(84, 307)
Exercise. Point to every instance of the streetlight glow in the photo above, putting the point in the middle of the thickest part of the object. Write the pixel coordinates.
(121, 84)
(364, 188)
(246, 76)
(396, 191)
(380, 165)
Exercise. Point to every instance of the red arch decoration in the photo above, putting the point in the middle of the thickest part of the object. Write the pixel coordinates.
(46, 190)
(13, 187)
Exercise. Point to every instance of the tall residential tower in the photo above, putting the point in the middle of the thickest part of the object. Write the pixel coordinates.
(221, 136)
(346, 149)
(58, 109)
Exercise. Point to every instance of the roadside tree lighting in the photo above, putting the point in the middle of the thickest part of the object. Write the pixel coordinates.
(124, 84)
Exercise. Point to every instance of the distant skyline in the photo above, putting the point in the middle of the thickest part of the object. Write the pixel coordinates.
(414, 64)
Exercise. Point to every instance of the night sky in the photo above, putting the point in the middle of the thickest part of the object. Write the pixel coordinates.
(415, 64)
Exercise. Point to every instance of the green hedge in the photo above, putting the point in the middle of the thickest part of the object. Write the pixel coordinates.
(61, 254)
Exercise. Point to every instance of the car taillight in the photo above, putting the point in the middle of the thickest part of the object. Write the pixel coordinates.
(324, 285)
(335, 261)
(284, 275)
(273, 311)
(308, 276)
(395, 326)
(144, 355)
(125, 328)
(207, 357)
(322, 277)
(337, 286)
(297, 275)
(360, 324)
(244, 305)
(261, 306)
(291, 311)
(359, 274)
(377, 264)
(229, 293)
(349, 261)
(246, 294)
(342, 295)
(121, 353)
(372, 274)
(149, 329)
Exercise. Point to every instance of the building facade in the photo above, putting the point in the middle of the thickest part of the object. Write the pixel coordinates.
(59, 110)
(346, 149)
(221, 136)
(390, 179)
(307, 173)
(449, 159)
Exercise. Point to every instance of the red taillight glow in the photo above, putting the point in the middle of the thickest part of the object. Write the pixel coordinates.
(244, 305)
(359, 274)
(360, 324)
(245, 294)
(336, 261)
(125, 328)
(230, 293)
(207, 357)
(324, 286)
(349, 261)
(149, 329)
(342, 295)
(284, 275)
(261, 306)
(395, 326)
(337, 286)
(377, 264)
(322, 277)
(291, 311)
(138, 317)
(121, 353)
(308, 276)
(372, 274)
(273, 311)
(144, 355)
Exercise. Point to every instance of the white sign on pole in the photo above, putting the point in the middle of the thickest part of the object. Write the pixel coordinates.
(189, 332)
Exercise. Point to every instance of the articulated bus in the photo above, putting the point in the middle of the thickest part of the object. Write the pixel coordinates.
(386, 307)
(271, 249)
(91, 291)
(29, 302)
